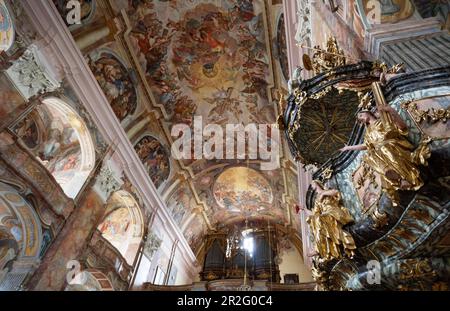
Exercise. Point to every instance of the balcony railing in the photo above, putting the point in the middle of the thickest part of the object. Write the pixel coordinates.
(109, 258)
(231, 284)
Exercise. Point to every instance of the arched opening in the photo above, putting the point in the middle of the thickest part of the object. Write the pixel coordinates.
(123, 225)
(60, 140)
(20, 238)
(7, 31)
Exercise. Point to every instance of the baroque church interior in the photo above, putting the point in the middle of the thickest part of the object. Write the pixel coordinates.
(349, 99)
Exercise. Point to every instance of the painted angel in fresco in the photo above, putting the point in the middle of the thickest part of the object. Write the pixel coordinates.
(326, 221)
(157, 52)
(390, 153)
(61, 153)
(254, 84)
(243, 10)
(223, 102)
(255, 67)
(184, 110)
(58, 142)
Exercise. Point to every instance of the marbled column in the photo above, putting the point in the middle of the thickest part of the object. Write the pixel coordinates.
(69, 245)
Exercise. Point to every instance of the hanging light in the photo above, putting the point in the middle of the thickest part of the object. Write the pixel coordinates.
(245, 287)
(270, 253)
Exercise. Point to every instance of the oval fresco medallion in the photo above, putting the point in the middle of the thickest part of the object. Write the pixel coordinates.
(116, 82)
(155, 159)
(242, 189)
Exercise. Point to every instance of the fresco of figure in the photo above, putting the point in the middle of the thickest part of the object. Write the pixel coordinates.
(155, 159)
(205, 46)
(116, 82)
(28, 132)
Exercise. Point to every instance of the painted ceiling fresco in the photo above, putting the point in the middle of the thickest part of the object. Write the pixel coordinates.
(122, 223)
(222, 60)
(155, 159)
(53, 137)
(180, 203)
(206, 58)
(240, 189)
(213, 59)
(115, 80)
(235, 193)
(115, 228)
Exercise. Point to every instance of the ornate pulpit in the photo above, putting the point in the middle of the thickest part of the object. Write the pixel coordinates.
(379, 142)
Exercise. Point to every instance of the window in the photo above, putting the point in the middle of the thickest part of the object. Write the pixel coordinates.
(159, 276)
(248, 245)
(247, 242)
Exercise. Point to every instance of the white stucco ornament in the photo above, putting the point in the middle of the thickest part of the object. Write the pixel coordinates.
(30, 75)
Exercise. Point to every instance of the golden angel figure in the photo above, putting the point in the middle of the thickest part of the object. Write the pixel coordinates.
(326, 222)
(390, 153)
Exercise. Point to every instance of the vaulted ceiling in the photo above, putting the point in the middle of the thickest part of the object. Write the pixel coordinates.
(163, 62)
